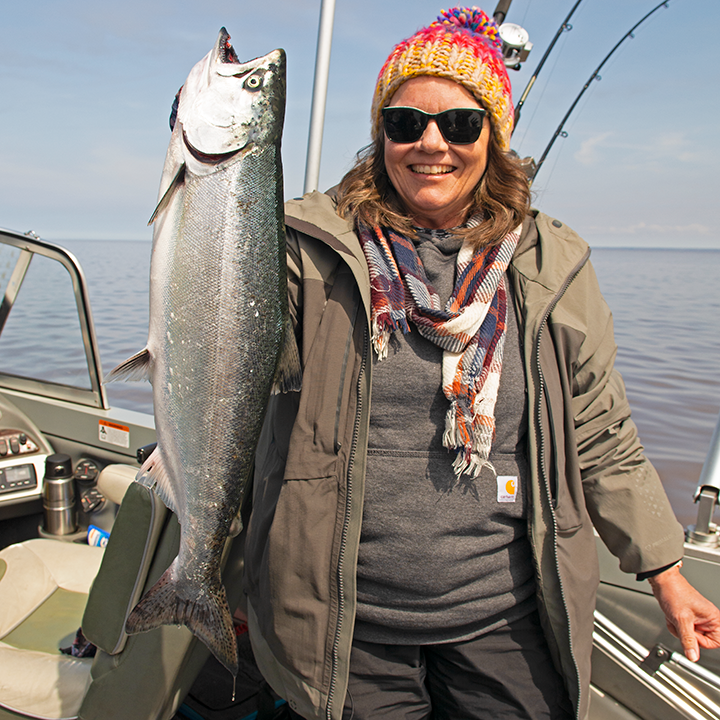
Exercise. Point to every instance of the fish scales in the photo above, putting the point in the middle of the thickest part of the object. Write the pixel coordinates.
(219, 336)
(242, 331)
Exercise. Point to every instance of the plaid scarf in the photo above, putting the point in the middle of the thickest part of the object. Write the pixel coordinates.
(470, 329)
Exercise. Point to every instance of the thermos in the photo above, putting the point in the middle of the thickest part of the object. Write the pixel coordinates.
(59, 511)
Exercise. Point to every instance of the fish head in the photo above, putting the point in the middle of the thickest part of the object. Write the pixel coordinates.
(227, 107)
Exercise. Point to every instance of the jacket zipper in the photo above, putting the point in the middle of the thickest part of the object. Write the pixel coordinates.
(348, 345)
(541, 447)
(343, 537)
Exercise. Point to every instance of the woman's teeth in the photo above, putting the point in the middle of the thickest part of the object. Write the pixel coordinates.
(432, 169)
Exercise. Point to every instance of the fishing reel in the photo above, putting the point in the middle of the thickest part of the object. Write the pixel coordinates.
(516, 45)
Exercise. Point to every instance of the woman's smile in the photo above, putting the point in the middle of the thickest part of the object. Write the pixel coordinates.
(432, 169)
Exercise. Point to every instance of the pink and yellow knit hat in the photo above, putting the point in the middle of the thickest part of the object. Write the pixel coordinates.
(461, 45)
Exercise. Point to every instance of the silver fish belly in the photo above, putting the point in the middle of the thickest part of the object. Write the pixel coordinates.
(219, 336)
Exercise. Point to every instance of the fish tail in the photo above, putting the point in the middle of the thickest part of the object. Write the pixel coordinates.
(206, 614)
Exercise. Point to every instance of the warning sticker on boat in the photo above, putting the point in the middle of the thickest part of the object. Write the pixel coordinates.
(114, 434)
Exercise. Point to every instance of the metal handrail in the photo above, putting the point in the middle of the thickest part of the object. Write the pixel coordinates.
(666, 682)
(710, 475)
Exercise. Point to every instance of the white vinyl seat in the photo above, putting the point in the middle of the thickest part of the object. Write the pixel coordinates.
(44, 587)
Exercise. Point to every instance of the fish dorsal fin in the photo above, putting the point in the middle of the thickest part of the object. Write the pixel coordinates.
(165, 199)
(288, 376)
(136, 367)
(153, 475)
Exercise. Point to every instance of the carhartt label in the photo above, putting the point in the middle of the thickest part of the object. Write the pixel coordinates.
(114, 434)
(507, 488)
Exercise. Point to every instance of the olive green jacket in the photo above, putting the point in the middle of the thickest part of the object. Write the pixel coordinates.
(587, 466)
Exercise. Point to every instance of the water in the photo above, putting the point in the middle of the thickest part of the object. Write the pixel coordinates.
(42, 337)
(667, 327)
(118, 276)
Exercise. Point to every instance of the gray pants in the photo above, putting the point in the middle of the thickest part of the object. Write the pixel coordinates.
(507, 673)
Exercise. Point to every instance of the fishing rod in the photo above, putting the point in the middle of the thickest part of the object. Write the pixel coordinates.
(501, 10)
(564, 27)
(594, 76)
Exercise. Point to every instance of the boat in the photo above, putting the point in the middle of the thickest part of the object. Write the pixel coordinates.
(67, 461)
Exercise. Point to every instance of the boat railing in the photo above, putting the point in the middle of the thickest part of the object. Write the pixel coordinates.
(685, 686)
(704, 532)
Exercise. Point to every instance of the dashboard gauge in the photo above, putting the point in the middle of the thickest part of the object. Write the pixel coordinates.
(86, 471)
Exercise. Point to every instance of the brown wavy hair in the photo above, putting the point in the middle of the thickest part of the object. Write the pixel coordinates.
(366, 195)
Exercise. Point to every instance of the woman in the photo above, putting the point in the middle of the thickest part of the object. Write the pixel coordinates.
(431, 554)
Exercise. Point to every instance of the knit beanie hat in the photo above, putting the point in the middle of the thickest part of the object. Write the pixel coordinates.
(461, 45)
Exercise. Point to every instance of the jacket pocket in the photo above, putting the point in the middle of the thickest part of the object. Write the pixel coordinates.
(289, 555)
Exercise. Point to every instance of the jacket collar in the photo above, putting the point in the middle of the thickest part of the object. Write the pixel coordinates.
(548, 251)
(314, 214)
(547, 254)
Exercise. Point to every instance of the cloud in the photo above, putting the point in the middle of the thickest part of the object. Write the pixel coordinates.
(662, 147)
(588, 152)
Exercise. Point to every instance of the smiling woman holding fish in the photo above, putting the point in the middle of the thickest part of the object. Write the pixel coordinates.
(431, 554)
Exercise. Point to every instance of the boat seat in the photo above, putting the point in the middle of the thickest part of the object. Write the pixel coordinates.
(144, 676)
(138, 677)
(44, 587)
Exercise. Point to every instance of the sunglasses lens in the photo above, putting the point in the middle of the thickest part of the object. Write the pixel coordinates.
(404, 125)
(461, 126)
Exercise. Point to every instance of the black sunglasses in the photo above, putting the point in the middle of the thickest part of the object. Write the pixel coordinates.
(459, 126)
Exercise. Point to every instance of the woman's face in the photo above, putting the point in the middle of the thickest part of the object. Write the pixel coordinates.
(435, 179)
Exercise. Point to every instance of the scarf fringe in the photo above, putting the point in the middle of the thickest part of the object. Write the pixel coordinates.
(473, 452)
(470, 463)
(380, 337)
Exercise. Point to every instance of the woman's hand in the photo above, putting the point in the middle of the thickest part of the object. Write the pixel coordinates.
(690, 617)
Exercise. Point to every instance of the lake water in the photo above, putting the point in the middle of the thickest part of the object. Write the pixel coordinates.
(666, 307)
(667, 324)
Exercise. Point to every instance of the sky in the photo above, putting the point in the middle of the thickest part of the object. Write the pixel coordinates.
(86, 88)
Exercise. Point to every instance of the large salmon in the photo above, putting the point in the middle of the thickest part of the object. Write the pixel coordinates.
(219, 336)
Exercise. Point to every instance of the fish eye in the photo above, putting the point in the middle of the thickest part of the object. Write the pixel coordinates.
(254, 82)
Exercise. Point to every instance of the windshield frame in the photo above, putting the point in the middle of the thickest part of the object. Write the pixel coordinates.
(31, 243)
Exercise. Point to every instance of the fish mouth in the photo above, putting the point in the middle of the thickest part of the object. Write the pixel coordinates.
(225, 51)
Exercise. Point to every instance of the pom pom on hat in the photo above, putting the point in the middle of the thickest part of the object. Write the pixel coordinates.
(473, 20)
(463, 45)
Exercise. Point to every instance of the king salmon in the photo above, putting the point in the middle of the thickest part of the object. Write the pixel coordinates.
(219, 337)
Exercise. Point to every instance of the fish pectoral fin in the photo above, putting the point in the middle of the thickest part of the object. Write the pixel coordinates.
(154, 475)
(288, 376)
(178, 180)
(205, 613)
(136, 367)
(236, 526)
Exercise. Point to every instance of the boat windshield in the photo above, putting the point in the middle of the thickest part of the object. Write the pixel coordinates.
(47, 341)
